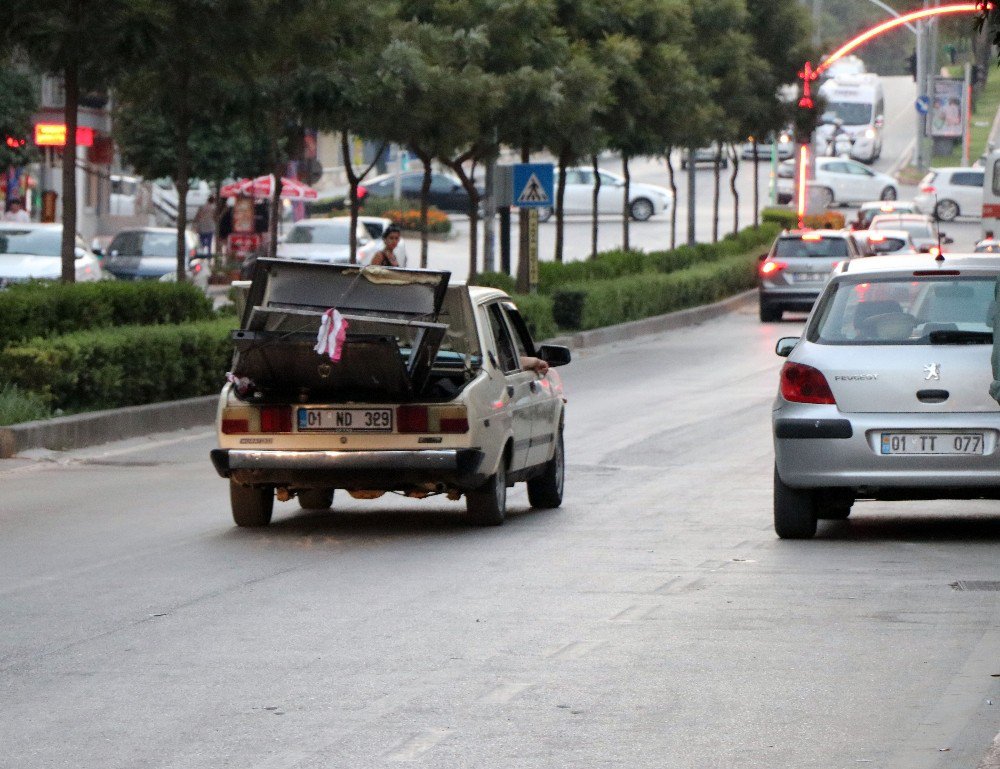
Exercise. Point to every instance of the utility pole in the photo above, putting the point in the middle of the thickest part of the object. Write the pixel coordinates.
(817, 15)
(919, 156)
(691, 239)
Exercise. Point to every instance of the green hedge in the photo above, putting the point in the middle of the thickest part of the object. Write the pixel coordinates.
(537, 313)
(789, 219)
(594, 304)
(122, 366)
(47, 309)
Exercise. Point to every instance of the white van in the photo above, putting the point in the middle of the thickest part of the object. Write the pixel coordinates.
(855, 110)
(991, 192)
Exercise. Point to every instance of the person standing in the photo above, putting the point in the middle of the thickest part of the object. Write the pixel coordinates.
(15, 212)
(387, 256)
(204, 224)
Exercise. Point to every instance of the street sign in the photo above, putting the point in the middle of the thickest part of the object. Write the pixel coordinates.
(923, 104)
(533, 185)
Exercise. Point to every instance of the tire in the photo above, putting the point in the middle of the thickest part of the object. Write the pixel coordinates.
(315, 499)
(545, 491)
(544, 214)
(769, 313)
(826, 197)
(833, 504)
(834, 514)
(641, 209)
(946, 210)
(252, 505)
(487, 505)
(794, 511)
(889, 193)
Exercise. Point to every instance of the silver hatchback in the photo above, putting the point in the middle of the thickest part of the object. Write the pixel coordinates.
(887, 395)
(797, 267)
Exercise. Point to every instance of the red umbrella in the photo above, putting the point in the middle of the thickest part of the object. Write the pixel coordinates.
(262, 187)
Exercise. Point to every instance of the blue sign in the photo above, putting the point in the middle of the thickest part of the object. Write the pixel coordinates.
(923, 104)
(534, 185)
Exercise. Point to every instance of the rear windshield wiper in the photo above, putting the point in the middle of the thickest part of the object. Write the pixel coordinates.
(960, 337)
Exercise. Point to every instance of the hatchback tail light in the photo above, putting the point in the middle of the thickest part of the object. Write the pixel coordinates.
(411, 419)
(928, 189)
(769, 268)
(804, 384)
(433, 419)
(276, 419)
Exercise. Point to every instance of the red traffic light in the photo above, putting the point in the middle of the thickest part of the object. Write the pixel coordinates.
(14, 143)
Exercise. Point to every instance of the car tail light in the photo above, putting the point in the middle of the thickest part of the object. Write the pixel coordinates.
(362, 191)
(804, 384)
(411, 419)
(812, 236)
(276, 419)
(196, 267)
(235, 426)
(432, 419)
(876, 238)
(928, 189)
(769, 268)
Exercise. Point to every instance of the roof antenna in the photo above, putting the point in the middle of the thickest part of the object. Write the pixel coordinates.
(937, 229)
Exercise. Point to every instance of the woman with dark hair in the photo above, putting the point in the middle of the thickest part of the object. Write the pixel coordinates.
(387, 257)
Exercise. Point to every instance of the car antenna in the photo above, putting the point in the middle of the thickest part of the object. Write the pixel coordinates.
(937, 228)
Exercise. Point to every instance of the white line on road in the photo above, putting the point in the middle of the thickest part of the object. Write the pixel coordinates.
(504, 693)
(418, 744)
(575, 650)
(633, 613)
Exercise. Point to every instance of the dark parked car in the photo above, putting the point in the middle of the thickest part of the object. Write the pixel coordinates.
(150, 253)
(446, 192)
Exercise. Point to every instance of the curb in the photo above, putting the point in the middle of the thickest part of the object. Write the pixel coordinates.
(81, 430)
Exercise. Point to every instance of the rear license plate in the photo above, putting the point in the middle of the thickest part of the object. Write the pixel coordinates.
(809, 277)
(932, 443)
(346, 420)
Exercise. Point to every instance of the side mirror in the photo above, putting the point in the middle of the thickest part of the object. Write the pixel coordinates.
(762, 257)
(98, 251)
(554, 354)
(924, 248)
(946, 240)
(785, 346)
(79, 253)
(880, 121)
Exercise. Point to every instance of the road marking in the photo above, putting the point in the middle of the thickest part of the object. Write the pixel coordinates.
(666, 586)
(418, 744)
(575, 650)
(633, 613)
(504, 693)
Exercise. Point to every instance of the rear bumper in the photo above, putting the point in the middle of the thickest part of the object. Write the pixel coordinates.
(790, 299)
(379, 470)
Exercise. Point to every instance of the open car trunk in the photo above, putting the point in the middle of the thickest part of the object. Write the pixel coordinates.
(391, 347)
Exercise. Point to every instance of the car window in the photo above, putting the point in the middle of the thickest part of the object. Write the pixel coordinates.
(836, 168)
(126, 244)
(35, 242)
(609, 179)
(409, 183)
(507, 356)
(858, 169)
(157, 244)
(852, 113)
(901, 310)
(326, 235)
(887, 245)
(522, 337)
(822, 248)
(574, 176)
(441, 183)
(967, 179)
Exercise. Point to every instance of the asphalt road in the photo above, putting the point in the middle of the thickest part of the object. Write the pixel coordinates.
(653, 621)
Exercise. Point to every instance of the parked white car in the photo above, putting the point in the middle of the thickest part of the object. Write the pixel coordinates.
(645, 200)
(839, 181)
(324, 240)
(947, 193)
(433, 389)
(32, 251)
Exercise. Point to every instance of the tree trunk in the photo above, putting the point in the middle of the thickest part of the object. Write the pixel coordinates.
(735, 158)
(68, 244)
(182, 126)
(560, 199)
(425, 191)
(275, 208)
(355, 179)
(756, 183)
(717, 173)
(474, 200)
(673, 204)
(625, 209)
(594, 207)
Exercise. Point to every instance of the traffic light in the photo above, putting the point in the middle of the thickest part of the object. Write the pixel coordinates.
(15, 143)
(911, 64)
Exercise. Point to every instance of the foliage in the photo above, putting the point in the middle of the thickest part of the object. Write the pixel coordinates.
(122, 366)
(537, 313)
(17, 104)
(18, 406)
(43, 310)
(411, 220)
(789, 219)
(500, 280)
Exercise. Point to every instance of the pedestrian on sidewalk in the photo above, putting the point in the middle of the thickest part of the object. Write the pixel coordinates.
(387, 257)
(204, 224)
(15, 212)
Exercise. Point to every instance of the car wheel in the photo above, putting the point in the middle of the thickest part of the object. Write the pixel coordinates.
(794, 511)
(252, 505)
(769, 313)
(946, 210)
(889, 193)
(826, 197)
(546, 490)
(833, 504)
(544, 214)
(487, 505)
(316, 499)
(641, 209)
(834, 514)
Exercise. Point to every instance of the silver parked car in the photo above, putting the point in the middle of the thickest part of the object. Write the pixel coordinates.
(432, 389)
(150, 253)
(887, 394)
(797, 267)
(31, 251)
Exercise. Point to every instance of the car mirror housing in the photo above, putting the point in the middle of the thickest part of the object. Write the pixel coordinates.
(554, 354)
(785, 346)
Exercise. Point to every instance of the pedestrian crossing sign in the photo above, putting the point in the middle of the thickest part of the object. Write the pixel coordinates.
(533, 185)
